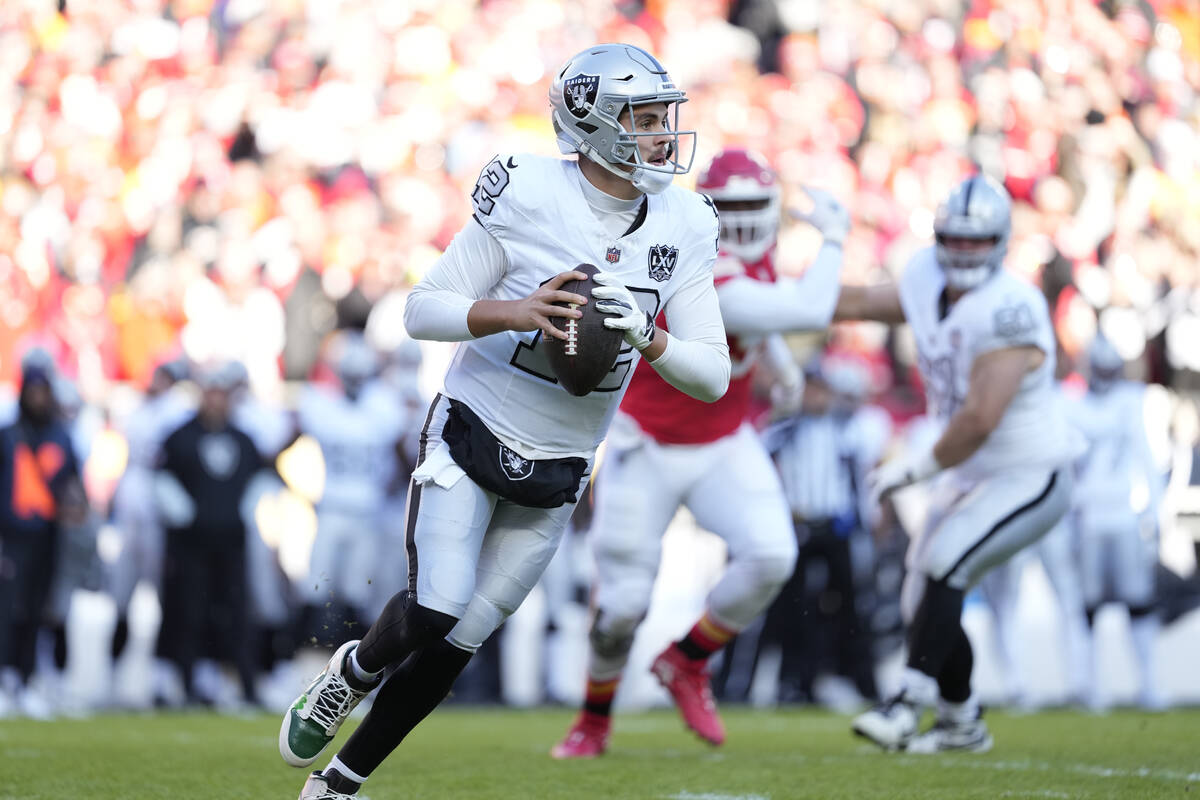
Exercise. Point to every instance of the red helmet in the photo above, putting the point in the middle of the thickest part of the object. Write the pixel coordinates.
(746, 192)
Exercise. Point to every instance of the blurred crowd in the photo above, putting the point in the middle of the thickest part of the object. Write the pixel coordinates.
(217, 182)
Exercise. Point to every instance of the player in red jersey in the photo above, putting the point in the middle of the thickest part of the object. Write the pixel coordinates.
(666, 449)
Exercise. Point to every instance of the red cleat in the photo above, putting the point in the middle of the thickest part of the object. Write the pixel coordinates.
(587, 738)
(687, 681)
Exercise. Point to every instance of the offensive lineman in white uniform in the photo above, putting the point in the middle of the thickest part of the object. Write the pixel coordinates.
(502, 420)
(986, 349)
(667, 450)
(1118, 491)
(358, 427)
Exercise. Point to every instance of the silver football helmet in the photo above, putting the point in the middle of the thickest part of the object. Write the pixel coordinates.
(1105, 365)
(588, 96)
(978, 208)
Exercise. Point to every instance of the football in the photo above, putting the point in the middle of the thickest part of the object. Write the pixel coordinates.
(588, 353)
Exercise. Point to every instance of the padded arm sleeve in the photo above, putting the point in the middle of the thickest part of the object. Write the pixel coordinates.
(696, 361)
(753, 307)
(437, 306)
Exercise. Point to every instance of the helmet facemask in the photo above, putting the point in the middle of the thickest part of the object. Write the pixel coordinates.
(978, 210)
(748, 225)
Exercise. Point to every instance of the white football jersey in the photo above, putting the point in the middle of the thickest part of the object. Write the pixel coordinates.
(1003, 312)
(358, 443)
(535, 208)
(1116, 476)
(149, 426)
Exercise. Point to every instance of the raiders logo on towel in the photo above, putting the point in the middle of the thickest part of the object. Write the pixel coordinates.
(514, 466)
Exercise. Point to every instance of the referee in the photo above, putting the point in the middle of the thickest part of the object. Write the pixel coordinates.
(822, 454)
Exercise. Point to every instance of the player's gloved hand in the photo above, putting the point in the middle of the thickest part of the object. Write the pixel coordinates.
(615, 298)
(787, 396)
(896, 473)
(828, 215)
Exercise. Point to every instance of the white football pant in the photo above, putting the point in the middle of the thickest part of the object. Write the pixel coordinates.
(975, 525)
(731, 488)
(472, 554)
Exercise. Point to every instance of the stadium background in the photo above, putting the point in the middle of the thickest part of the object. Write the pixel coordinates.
(238, 179)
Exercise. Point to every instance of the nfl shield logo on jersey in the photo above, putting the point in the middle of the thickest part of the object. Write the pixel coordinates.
(579, 93)
(514, 466)
(613, 256)
(662, 261)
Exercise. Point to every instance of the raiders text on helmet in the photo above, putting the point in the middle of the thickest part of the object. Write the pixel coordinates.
(978, 208)
(588, 96)
(746, 192)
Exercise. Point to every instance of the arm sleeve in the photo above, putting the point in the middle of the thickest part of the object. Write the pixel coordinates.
(779, 358)
(696, 361)
(753, 307)
(437, 306)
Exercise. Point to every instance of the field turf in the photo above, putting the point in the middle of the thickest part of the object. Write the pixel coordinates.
(494, 754)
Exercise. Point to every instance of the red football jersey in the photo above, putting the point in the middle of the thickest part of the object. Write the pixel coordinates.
(672, 417)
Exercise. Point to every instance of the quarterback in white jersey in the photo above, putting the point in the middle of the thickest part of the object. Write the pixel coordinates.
(986, 349)
(1118, 491)
(668, 450)
(505, 449)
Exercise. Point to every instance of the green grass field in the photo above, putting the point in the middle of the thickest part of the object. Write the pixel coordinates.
(493, 754)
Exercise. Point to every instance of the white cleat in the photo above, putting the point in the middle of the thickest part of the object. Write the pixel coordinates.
(317, 788)
(890, 724)
(314, 719)
(946, 735)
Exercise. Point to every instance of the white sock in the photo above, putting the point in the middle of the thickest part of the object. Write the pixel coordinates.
(1144, 632)
(345, 771)
(966, 711)
(919, 688)
(359, 672)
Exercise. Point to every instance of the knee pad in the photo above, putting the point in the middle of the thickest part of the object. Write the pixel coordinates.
(611, 636)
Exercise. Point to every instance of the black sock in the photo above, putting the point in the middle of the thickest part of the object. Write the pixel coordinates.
(954, 681)
(60, 645)
(120, 636)
(935, 628)
(1090, 613)
(404, 627)
(406, 697)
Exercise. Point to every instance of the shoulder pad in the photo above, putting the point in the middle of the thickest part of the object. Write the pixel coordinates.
(509, 183)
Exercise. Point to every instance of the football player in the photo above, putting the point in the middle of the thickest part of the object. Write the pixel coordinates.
(136, 515)
(667, 450)
(505, 450)
(986, 353)
(1118, 492)
(358, 427)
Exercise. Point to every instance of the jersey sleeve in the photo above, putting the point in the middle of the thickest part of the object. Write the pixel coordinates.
(1018, 319)
(502, 188)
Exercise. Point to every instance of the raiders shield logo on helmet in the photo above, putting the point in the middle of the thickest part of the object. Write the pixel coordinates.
(580, 93)
(662, 261)
(515, 467)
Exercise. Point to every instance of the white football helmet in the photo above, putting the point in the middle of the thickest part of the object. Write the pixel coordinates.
(746, 193)
(1105, 365)
(354, 361)
(588, 96)
(978, 208)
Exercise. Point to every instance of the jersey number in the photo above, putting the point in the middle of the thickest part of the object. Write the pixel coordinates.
(531, 357)
(491, 184)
